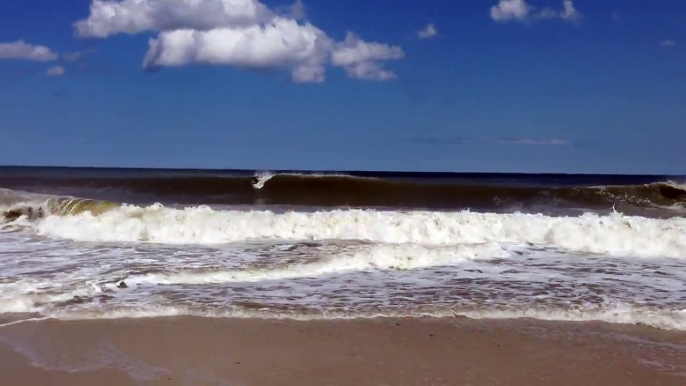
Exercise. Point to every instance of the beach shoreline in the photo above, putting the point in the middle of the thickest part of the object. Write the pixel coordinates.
(383, 351)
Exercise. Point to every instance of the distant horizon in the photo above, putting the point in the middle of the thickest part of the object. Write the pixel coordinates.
(351, 172)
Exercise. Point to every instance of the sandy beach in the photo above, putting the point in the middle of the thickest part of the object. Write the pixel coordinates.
(342, 193)
(453, 351)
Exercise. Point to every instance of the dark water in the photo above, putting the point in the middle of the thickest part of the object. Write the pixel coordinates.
(646, 195)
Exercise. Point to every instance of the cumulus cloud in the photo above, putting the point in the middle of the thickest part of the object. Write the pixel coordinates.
(110, 17)
(510, 10)
(569, 13)
(56, 71)
(23, 51)
(239, 33)
(296, 10)
(428, 32)
(667, 43)
(361, 59)
(520, 10)
(282, 43)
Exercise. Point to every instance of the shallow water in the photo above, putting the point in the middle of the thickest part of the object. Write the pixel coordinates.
(326, 262)
(335, 278)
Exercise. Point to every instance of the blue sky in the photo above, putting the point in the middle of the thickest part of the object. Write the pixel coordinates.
(525, 87)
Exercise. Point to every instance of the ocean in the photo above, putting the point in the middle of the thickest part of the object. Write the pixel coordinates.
(130, 243)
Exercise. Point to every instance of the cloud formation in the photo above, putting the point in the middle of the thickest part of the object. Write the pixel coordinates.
(362, 60)
(535, 142)
(570, 13)
(668, 43)
(21, 50)
(283, 43)
(56, 71)
(75, 56)
(428, 32)
(519, 10)
(111, 17)
(510, 10)
(296, 10)
(238, 33)
(448, 140)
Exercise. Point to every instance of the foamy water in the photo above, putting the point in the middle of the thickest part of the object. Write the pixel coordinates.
(614, 235)
(344, 263)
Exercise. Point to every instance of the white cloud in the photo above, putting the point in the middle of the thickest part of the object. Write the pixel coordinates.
(428, 32)
(510, 10)
(491, 140)
(23, 51)
(536, 142)
(73, 56)
(239, 33)
(56, 71)
(361, 59)
(282, 43)
(667, 43)
(296, 10)
(109, 17)
(519, 10)
(570, 13)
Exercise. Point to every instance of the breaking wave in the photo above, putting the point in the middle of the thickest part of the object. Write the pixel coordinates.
(424, 246)
(618, 314)
(615, 234)
(15, 205)
(95, 220)
(261, 179)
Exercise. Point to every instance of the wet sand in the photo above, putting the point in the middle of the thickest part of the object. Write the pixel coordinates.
(203, 351)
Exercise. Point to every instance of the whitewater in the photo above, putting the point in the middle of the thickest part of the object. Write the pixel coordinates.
(72, 258)
(616, 234)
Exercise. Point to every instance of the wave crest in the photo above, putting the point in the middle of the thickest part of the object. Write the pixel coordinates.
(15, 205)
(615, 234)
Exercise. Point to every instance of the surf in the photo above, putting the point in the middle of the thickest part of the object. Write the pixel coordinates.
(653, 196)
(16, 205)
(615, 234)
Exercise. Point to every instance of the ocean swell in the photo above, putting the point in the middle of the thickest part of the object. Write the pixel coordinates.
(380, 191)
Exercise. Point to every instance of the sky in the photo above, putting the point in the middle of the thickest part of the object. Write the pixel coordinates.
(574, 86)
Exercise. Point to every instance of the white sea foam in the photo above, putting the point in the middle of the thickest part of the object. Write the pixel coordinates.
(619, 314)
(262, 178)
(384, 257)
(28, 296)
(615, 234)
(22, 201)
(677, 184)
(19, 304)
